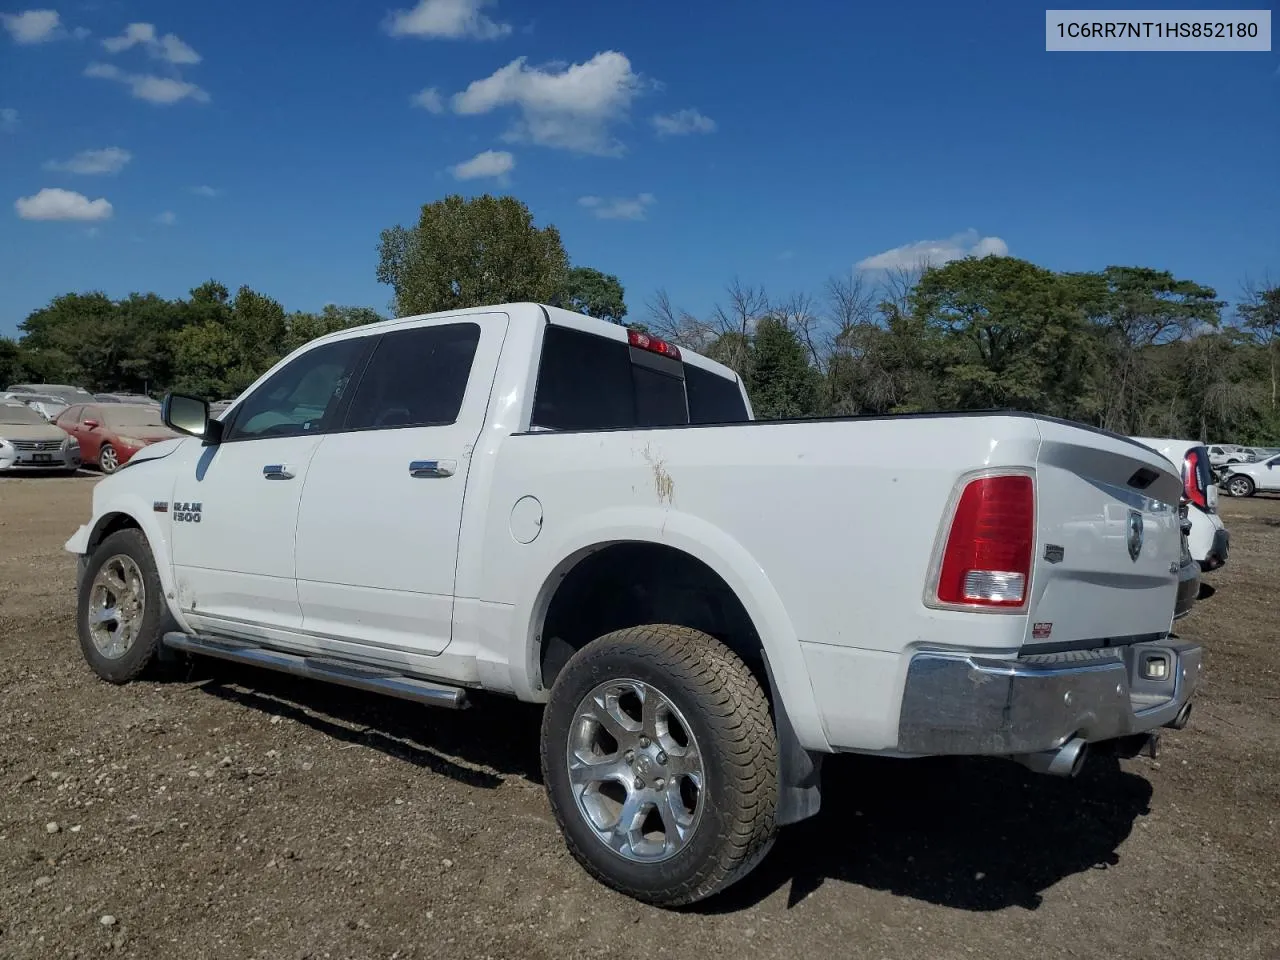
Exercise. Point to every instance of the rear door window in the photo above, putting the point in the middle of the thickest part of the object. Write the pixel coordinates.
(588, 382)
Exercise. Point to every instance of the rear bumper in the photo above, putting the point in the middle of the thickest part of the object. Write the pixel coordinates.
(957, 703)
(1218, 551)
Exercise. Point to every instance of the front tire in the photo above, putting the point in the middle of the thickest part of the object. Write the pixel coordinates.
(121, 612)
(660, 760)
(108, 459)
(1240, 486)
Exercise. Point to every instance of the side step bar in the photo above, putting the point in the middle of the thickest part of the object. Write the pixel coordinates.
(341, 672)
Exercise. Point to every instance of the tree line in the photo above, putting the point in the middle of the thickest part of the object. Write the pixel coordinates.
(1131, 349)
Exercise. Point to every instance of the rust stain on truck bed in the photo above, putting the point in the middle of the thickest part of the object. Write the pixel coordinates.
(663, 485)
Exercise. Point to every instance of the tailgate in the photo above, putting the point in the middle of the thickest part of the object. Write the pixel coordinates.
(1108, 541)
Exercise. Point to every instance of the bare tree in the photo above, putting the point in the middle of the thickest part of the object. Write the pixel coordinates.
(746, 304)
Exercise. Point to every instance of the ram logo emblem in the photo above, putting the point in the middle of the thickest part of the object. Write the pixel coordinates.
(1134, 537)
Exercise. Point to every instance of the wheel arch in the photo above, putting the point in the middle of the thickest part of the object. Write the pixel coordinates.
(128, 513)
(680, 547)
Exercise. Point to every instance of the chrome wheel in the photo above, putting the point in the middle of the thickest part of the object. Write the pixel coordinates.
(117, 604)
(1240, 487)
(108, 459)
(635, 770)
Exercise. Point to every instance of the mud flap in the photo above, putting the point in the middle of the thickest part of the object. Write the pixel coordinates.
(799, 770)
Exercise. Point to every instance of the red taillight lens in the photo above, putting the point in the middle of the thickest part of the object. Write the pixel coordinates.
(987, 560)
(643, 341)
(1191, 484)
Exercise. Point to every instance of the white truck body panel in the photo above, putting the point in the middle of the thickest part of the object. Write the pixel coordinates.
(829, 550)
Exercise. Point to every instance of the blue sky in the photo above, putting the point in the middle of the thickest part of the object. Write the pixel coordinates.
(676, 145)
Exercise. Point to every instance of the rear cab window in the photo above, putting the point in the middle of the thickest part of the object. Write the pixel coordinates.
(590, 382)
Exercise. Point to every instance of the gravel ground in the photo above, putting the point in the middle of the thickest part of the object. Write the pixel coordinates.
(235, 813)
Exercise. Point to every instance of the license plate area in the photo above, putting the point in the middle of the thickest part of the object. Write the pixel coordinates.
(41, 458)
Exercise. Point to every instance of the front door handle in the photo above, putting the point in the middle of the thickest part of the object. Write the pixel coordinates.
(432, 468)
(277, 471)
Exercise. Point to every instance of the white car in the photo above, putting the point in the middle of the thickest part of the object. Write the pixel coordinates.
(1208, 540)
(1222, 454)
(523, 500)
(1246, 479)
(29, 442)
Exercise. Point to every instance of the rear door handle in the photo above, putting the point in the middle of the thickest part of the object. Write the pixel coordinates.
(432, 468)
(277, 471)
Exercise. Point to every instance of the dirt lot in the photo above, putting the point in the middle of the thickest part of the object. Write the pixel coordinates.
(241, 814)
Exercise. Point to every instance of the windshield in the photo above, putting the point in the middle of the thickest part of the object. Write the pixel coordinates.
(128, 415)
(18, 413)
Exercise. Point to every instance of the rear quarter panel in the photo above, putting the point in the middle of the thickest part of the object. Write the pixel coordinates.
(825, 530)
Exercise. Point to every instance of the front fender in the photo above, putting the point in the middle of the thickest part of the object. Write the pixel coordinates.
(713, 547)
(108, 507)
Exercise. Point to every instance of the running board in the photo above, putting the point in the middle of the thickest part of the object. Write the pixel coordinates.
(329, 670)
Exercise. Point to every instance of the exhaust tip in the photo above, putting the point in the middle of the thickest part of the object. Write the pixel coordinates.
(1182, 719)
(1064, 761)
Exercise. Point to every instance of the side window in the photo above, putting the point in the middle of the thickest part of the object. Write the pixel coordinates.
(584, 382)
(415, 378)
(90, 413)
(712, 398)
(300, 396)
(68, 417)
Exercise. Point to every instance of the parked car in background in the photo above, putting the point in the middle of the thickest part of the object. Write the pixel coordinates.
(1246, 479)
(63, 391)
(111, 433)
(29, 442)
(1221, 454)
(1208, 539)
(125, 398)
(1254, 454)
(45, 404)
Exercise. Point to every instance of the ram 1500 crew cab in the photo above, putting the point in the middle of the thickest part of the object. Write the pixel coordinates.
(527, 501)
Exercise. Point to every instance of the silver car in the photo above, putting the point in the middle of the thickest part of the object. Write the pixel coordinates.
(29, 442)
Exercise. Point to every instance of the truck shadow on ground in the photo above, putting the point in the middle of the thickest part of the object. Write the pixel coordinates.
(970, 834)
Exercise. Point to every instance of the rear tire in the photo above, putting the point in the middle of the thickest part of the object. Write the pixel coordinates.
(108, 459)
(1240, 486)
(660, 760)
(121, 613)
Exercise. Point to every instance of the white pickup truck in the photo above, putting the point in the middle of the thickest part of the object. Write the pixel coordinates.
(523, 500)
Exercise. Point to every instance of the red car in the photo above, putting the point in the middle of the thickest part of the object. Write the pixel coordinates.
(111, 433)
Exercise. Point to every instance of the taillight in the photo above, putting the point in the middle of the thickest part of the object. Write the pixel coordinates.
(987, 558)
(1192, 481)
(643, 341)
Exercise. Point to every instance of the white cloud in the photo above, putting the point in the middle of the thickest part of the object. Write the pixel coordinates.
(167, 219)
(205, 190)
(8, 119)
(447, 19)
(922, 253)
(570, 107)
(491, 163)
(682, 122)
(429, 99)
(106, 160)
(168, 47)
(146, 86)
(618, 208)
(52, 203)
(32, 26)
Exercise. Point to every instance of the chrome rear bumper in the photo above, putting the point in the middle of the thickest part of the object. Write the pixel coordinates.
(957, 703)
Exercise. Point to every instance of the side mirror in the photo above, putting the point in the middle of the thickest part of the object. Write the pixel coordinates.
(92, 424)
(185, 414)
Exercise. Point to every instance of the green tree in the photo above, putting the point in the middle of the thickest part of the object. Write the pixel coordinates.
(302, 328)
(782, 383)
(468, 253)
(1013, 334)
(1260, 315)
(596, 294)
